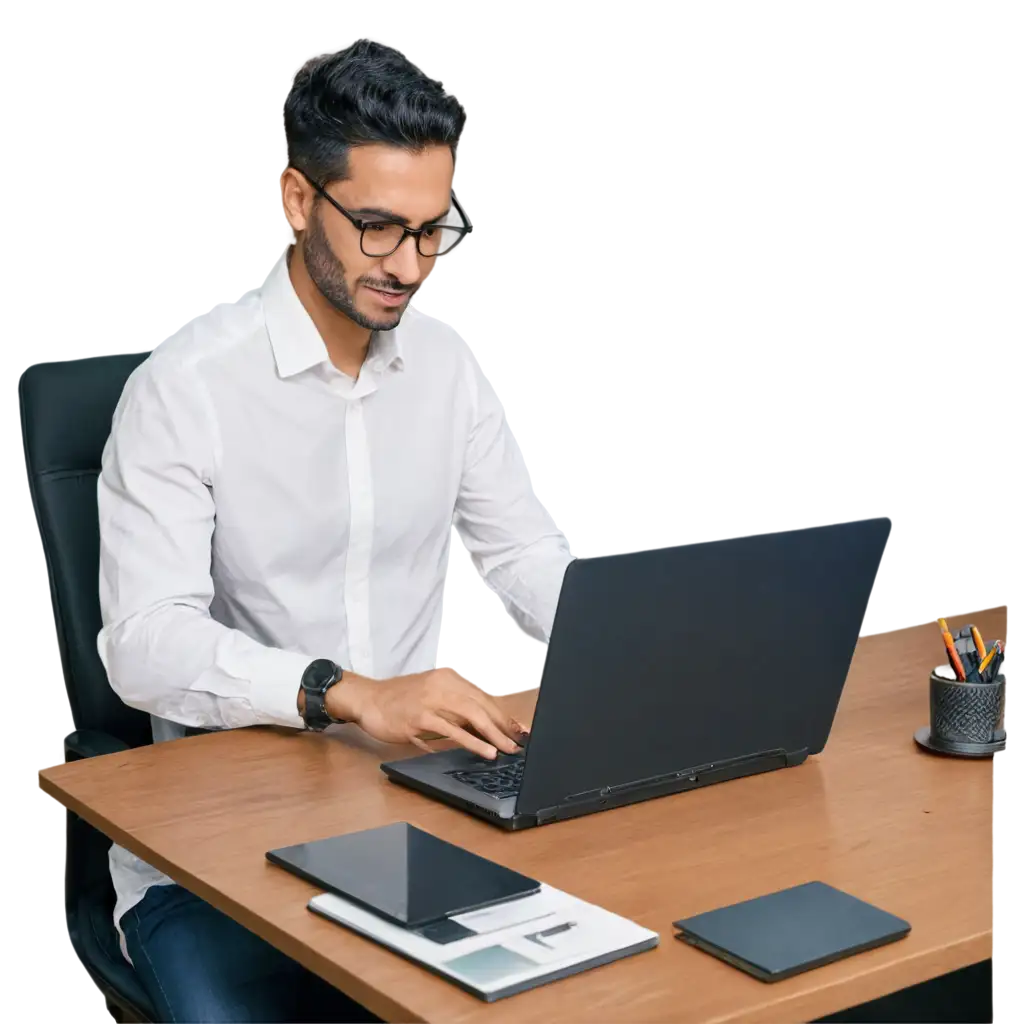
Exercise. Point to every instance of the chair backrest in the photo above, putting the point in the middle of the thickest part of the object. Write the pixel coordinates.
(66, 411)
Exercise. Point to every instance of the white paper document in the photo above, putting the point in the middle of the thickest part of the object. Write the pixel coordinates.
(505, 949)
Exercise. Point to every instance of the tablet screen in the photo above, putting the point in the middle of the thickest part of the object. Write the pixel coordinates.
(406, 875)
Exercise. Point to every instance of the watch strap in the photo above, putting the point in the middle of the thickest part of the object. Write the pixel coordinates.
(316, 715)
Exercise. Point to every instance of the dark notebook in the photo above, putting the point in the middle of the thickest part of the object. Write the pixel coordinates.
(776, 936)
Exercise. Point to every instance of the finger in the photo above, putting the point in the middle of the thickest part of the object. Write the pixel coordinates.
(481, 718)
(477, 716)
(497, 714)
(459, 735)
(419, 741)
(520, 742)
(430, 736)
(508, 726)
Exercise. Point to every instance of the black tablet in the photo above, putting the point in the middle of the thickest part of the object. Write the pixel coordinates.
(776, 936)
(404, 874)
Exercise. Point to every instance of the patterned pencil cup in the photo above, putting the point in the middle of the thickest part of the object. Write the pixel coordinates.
(966, 713)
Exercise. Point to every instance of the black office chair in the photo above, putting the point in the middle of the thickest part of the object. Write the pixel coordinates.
(66, 410)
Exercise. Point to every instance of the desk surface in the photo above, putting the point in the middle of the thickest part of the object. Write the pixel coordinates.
(873, 814)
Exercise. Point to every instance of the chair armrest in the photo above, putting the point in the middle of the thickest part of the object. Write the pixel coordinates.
(91, 743)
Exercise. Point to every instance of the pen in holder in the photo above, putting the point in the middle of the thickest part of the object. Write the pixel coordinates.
(966, 718)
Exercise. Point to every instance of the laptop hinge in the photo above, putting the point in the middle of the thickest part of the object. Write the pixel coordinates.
(727, 768)
(671, 782)
(546, 814)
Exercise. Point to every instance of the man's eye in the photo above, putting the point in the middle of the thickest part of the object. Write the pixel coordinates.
(376, 227)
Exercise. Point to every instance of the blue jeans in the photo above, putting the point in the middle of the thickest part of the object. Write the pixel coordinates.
(197, 965)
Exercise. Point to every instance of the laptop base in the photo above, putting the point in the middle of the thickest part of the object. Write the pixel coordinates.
(430, 773)
(508, 822)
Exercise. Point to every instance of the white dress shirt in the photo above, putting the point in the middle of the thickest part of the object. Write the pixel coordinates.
(259, 509)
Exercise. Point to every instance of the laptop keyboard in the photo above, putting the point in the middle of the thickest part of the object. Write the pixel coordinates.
(501, 781)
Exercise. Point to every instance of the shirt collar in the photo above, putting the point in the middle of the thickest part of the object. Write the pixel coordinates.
(296, 342)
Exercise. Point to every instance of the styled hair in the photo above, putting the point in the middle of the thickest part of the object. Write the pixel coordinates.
(363, 94)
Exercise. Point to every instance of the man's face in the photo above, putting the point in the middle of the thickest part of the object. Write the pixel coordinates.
(384, 183)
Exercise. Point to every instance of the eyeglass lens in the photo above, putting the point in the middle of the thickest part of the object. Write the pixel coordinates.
(380, 239)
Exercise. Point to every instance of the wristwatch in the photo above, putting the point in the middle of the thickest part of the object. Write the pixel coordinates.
(319, 677)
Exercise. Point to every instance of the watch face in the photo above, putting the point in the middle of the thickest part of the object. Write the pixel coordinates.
(319, 674)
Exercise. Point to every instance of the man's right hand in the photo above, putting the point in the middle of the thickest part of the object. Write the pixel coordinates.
(403, 709)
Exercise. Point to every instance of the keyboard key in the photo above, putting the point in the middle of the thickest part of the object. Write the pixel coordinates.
(500, 781)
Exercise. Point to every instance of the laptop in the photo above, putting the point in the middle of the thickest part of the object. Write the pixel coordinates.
(673, 669)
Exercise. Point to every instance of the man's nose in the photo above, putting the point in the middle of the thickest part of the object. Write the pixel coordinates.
(404, 262)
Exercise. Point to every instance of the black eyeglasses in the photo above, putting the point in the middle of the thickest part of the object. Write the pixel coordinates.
(382, 237)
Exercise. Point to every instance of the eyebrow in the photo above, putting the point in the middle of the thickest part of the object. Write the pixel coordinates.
(396, 217)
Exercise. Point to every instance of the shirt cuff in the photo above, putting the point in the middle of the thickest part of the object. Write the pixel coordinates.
(274, 688)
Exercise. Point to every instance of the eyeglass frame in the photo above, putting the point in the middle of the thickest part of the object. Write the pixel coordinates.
(406, 231)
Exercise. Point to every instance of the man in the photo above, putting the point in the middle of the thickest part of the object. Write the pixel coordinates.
(277, 495)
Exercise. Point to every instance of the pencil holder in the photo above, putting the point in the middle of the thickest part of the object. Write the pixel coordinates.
(966, 718)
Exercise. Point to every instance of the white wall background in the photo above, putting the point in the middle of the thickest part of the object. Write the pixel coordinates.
(649, 421)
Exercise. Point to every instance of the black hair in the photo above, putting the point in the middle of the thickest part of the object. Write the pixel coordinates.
(363, 94)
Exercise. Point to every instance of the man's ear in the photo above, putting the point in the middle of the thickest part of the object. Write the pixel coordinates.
(285, 229)
(297, 199)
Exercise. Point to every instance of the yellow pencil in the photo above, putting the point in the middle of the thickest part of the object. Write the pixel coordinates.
(988, 657)
(979, 644)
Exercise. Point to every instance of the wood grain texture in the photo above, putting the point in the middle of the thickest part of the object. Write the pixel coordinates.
(873, 814)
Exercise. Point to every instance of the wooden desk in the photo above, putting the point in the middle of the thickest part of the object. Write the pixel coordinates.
(872, 814)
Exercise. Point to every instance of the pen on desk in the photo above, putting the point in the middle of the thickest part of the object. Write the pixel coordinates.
(954, 658)
(559, 928)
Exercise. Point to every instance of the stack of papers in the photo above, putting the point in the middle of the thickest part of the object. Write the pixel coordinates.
(504, 949)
